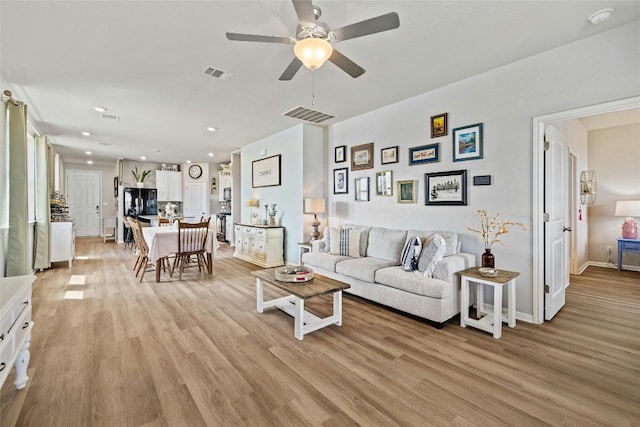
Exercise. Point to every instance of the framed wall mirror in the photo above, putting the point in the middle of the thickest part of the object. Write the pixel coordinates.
(384, 183)
(362, 189)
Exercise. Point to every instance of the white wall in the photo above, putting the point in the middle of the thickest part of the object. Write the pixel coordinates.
(614, 153)
(599, 69)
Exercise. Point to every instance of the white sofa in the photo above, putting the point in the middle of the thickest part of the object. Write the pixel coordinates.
(377, 275)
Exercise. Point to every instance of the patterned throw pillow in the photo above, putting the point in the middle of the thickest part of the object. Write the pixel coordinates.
(344, 242)
(432, 253)
(410, 254)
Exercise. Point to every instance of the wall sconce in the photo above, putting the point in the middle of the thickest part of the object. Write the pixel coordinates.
(588, 187)
(314, 206)
(253, 211)
(629, 209)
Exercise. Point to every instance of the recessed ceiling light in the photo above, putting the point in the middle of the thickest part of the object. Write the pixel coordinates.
(188, 161)
(600, 16)
(88, 152)
(143, 158)
(211, 154)
(212, 129)
(100, 109)
(89, 162)
(86, 133)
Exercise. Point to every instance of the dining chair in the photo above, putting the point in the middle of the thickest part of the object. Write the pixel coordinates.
(192, 238)
(144, 264)
(164, 222)
(132, 225)
(128, 233)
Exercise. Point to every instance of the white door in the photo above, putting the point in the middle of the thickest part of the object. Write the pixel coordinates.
(556, 255)
(195, 200)
(83, 198)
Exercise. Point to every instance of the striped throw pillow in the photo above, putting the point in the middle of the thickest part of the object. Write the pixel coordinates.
(344, 242)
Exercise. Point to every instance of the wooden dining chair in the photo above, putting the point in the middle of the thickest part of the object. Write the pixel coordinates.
(144, 264)
(164, 222)
(128, 233)
(192, 238)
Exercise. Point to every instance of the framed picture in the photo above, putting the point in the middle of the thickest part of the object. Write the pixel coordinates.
(340, 154)
(406, 191)
(362, 189)
(389, 155)
(362, 157)
(214, 185)
(439, 126)
(266, 172)
(384, 183)
(446, 188)
(467, 143)
(341, 181)
(424, 154)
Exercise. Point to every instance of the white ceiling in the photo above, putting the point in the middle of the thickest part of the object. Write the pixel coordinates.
(143, 60)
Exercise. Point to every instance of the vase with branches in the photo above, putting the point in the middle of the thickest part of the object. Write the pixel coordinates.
(492, 229)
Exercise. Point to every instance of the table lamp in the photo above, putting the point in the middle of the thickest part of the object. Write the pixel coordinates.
(629, 209)
(314, 206)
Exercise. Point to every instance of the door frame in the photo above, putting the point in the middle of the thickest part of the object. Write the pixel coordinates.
(67, 172)
(538, 126)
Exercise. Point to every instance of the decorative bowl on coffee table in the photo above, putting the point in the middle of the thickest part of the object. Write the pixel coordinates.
(293, 273)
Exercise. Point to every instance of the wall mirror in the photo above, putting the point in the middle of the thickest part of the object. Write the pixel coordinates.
(362, 189)
(384, 183)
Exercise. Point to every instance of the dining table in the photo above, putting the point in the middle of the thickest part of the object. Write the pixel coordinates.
(163, 242)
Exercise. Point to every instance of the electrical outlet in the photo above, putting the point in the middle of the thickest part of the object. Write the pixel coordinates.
(609, 249)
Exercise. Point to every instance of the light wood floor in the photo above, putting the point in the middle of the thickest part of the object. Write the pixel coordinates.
(196, 353)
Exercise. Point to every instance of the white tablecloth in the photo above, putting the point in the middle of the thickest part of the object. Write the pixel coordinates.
(163, 241)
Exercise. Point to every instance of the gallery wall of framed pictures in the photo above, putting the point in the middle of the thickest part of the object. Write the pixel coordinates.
(441, 187)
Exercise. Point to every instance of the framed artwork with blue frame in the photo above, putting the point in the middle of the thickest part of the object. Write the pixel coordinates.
(467, 143)
(424, 154)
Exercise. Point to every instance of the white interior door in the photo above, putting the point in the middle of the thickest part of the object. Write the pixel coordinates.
(196, 200)
(556, 257)
(83, 198)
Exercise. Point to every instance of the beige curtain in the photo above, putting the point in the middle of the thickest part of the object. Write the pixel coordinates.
(18, 235)
(43, 217)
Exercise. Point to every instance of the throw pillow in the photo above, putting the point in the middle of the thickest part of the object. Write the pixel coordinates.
(344, 242)
(432, 253)
(411, 253)
(326, 239)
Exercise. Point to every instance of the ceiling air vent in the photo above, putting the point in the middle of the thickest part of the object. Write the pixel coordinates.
(308, 115)
(111, 117)
(217, 73)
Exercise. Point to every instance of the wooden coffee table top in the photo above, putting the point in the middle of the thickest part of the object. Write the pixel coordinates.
(319, 285)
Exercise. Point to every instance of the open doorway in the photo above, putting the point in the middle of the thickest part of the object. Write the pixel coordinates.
(540, 245)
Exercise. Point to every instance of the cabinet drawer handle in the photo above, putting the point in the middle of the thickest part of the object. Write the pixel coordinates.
(25, 326)
(2, 365)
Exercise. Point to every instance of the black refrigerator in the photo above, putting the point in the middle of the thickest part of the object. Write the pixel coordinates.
(140, 201)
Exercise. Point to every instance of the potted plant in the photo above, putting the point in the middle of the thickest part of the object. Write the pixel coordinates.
(140, 176)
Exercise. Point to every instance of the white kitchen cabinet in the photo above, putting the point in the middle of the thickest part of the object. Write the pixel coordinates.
(261, 245)
(169, 185)
(225, 180)
(63, 241)
(15, 327)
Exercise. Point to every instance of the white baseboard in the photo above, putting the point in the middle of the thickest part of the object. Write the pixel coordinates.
(609, 265)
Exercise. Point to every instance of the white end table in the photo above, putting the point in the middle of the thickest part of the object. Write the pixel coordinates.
(489, 322)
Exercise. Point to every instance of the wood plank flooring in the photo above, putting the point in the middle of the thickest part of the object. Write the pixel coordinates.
(196, 353)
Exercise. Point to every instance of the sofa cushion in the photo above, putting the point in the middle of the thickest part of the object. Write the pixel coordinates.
(364, 236)
(413, 282)
(386, 244)
(322, 260)
(362, 268)
(432, 254)
(449, 237)
(344, 242)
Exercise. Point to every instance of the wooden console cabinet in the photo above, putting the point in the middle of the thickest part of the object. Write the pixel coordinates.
(260, 244)
(15, 327)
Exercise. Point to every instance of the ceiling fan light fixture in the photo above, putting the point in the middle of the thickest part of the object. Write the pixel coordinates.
(313, 52)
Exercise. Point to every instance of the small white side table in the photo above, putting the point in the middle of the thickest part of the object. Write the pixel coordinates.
(489, 322)
(304, 248)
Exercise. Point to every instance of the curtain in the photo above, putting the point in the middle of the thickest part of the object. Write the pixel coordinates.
(18, 234)
(43, 217)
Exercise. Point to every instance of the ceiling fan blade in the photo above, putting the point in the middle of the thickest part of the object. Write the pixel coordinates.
(378, 24)
(291, 70)
(347, 65)
(304, 10)
(256, 38)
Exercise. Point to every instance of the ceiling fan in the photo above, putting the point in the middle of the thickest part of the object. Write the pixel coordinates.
(313, 39)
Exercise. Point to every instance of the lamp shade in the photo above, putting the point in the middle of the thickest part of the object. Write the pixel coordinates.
(628, 208)
(313, 52)
(252, 203)
(314, 206)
